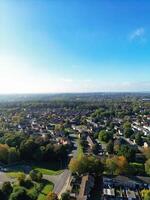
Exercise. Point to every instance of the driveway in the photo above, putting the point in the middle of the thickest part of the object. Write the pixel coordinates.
(4, 178)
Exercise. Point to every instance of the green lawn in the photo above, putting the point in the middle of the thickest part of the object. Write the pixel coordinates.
(47, 171)
(44, 168)
(50, 172)
(13, 174)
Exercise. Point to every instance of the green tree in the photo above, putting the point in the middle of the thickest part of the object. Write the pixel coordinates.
(27, 149)
(127, 129)
(111, 165)
(145, 194)
(116, 165)
(36, 175)
(13, 155)
(65, 196)
(39, 153)
(86, 164)
(127, 151)
(4, 153)
(110, 147)
(19, 193)
(127, 125)
(139, 139)
(7, 188)
(128, 132)
(105, 136)
(21, 178)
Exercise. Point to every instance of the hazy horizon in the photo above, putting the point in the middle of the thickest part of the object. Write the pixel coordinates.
(74, 46)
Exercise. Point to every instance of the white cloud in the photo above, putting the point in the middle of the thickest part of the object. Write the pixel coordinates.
(139, 33)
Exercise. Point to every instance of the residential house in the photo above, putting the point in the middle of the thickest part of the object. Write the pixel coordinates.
(86, 185)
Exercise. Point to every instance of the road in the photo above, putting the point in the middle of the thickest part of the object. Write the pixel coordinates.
(58, 180)
(4, 178)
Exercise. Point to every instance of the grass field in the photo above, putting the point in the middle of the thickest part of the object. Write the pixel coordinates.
(47, 171)
(13, 174)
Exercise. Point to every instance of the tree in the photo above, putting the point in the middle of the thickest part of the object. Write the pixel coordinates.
(36, 175)
(27, 149)
(19, 193)
(95, 165)
(128, 132)
(65, 196)
(39, 153)
(33, 194)
(147, 166)
(21, 178)
(110, 147)
(13, 155)
(4, 153)
(74, 165)
(49, 154)
(127, 125)
(145, 194)
(105, 136)
(14, 140)
(127, 151)
(7, 188)
(86, 164)
(111, 165)
(139, 139)
(116, 165)
(127, 129)
(122, 164)
(51, 196)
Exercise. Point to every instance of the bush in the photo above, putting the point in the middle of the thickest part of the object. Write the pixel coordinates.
(7, 188)
(65, 196)
(27, 184)
(19, 193)
(36, 175)
(33, 194)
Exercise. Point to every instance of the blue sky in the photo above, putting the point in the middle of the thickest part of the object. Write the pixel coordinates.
(74, 46)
